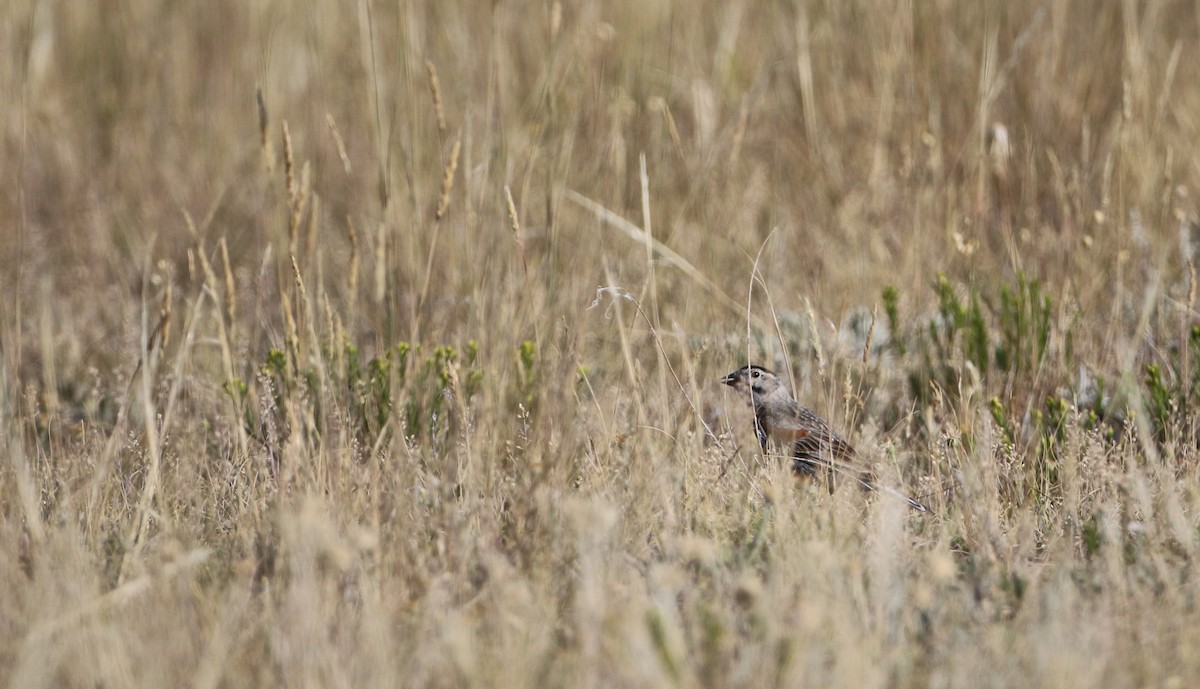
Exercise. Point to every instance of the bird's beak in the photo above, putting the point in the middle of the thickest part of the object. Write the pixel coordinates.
(729, 379)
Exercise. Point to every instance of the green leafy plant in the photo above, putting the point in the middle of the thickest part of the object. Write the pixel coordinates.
(1024, 319)
(526, 373)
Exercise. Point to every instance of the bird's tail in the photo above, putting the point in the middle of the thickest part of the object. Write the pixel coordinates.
(808, 466)
(888, 490)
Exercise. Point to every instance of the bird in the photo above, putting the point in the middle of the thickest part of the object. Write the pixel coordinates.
(778, 416)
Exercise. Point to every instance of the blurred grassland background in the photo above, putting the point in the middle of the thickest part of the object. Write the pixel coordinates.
(373, 343)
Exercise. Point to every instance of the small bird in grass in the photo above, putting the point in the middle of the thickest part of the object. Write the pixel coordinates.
(777, 415)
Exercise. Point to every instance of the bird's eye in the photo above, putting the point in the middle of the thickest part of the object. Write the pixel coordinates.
(754, 373)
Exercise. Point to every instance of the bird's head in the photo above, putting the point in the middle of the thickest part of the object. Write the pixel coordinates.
(754, 380)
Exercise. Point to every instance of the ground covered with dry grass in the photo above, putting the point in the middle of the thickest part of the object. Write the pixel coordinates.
(373, 344)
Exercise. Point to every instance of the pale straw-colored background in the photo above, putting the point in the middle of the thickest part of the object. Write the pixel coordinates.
(292, 394)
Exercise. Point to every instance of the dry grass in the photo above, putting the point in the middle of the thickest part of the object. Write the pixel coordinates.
(308, 392)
